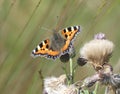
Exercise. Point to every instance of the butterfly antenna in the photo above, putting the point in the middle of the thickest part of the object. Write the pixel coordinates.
(58, 23)
(49, 30)
(46, 29)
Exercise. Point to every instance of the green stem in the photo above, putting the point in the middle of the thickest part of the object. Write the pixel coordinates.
(96, 88)
(71, 72)
(71, 67)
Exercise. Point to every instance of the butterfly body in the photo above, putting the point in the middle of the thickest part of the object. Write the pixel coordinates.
(59, 44)
(57, 41)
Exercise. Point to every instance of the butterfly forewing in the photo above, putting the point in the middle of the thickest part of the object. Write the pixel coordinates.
(43, 49)
(70, 32)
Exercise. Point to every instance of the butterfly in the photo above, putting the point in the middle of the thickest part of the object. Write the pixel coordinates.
(60, 43)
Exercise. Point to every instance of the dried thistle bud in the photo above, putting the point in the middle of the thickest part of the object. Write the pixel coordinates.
(97, 52)
(81, 61)
(69, 90)
(65, 58)
(56, 85)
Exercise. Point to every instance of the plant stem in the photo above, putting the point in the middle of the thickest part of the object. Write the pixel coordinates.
(71, 72)
(96, 88)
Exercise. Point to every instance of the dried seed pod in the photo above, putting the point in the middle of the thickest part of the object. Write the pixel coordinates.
(56, 85)
(97, 52)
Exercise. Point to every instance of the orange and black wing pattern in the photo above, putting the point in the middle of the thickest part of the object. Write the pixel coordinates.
(43, 49)
(69, 34)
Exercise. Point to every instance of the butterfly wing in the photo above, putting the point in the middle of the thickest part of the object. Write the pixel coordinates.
(69, 34)
(43, 49)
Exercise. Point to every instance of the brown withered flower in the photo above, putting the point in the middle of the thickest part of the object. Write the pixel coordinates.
(97, 51)
(57, 85)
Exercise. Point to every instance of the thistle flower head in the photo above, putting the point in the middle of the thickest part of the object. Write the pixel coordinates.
(98, 51)
(56, 85)
(70, 90)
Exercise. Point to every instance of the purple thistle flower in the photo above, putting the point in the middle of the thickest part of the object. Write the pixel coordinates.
(100, 36)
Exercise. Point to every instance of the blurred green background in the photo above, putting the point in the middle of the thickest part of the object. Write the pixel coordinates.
(22, 24)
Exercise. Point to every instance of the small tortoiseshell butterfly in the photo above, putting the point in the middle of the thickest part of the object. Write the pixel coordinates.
(58, 45)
